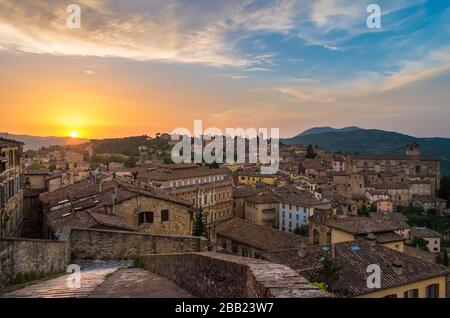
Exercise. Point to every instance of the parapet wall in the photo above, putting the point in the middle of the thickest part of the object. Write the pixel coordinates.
(106, 244)
(216, 275)
(40, 257)
(31, 257)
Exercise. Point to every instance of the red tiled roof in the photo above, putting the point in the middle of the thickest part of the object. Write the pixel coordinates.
(263, 238)
(353, 259)
(363, 225)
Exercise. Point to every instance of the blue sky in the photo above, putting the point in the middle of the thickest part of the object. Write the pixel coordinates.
(290, 64)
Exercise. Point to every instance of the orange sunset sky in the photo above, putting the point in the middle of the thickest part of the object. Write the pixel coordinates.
(142, 67)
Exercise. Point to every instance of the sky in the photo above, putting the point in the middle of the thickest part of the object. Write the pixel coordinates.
(145, 66)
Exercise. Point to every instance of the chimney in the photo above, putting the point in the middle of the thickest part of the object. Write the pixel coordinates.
(100, 187)
(302, 249)
(397, 266)
(372, 239)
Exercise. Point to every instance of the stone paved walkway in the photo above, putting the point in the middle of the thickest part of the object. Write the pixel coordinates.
(138, 283)
(93, 273)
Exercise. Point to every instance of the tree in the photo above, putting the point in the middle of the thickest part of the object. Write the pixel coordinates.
(363, 211)
(445, 257)
(167, 158)
(130, 162)
(373, 207)
(36, 166)
(329, 274)
(310, 152)
(302, 230)
(199, 225)
(444, 191)
(420, 243)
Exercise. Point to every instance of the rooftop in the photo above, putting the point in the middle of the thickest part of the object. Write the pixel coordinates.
(427, 199)
(396, 218)
(263, 197)
(6, 143)
(173, 172)
(248, 191)
(260, 237)
(353, 258)
(363, 225)
(394, 157)
(424, 232)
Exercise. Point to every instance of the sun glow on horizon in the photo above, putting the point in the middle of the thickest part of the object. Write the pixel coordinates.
(73, 134)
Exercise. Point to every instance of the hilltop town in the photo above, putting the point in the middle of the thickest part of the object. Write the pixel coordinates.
(123, 202)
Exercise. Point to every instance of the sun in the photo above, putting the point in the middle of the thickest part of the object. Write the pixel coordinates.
(73, 134)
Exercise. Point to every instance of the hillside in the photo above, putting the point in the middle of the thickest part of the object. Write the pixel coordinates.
(320, 130)
(35, 142)
(372, 141)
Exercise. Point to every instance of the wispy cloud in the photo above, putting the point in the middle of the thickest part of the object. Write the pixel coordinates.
(174, 31)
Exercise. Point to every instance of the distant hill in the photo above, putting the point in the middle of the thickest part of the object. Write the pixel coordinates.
(372, 141)
(35, 142)
(321, 130)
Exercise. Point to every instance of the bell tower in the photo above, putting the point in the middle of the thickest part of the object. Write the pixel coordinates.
(413, 149)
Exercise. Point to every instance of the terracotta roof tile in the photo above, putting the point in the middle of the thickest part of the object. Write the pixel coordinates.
(261, 237)
(353, 258)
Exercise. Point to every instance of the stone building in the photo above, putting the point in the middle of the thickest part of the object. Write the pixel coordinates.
(112, 204)
(378, 231)
(205, 188)
(11, 188)
(413, 164)
(428, 202)
(262, 209)
(38, 181)
(240, 194)
(432, 238)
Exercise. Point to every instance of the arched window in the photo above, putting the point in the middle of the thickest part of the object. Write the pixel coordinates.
(412, 293)
(432, 291)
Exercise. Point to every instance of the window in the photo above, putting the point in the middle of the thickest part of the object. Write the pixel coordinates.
(164, 215)
(391, 296)
(412, 293)
(316, 237)
(145, 217)
(432, 291)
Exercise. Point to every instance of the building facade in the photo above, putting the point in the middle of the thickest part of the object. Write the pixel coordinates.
(11, 188)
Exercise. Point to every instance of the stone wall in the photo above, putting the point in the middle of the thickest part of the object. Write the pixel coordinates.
(107, 244)
(226, 276)
(180, 219)
(27, 256)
